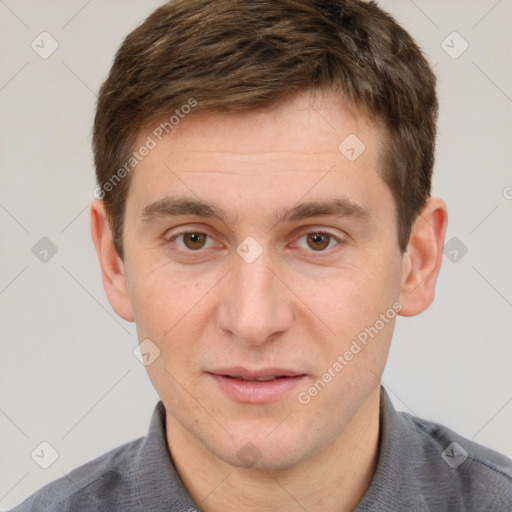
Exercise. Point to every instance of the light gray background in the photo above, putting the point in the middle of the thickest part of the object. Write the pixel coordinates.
(68, 375)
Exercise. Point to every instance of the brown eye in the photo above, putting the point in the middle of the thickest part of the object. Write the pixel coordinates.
(194, 240)
(318, 241)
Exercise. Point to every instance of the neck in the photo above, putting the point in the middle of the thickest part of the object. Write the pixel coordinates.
(335, 479)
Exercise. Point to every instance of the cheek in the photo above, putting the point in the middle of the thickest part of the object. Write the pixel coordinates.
(172, 310)
(357, 353)
(169, 308)
(161, 296)
(353, 360)
(351, 299)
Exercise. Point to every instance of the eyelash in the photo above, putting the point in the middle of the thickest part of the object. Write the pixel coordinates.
(320, 253)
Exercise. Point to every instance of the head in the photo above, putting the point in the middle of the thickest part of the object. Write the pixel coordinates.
(264, 176)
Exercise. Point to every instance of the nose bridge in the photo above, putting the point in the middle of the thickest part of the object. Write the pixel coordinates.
(253, 282)
(256, 306)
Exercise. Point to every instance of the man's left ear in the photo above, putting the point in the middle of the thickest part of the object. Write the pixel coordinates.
(422, 260)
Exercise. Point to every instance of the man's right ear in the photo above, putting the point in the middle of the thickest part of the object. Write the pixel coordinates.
(112, 267)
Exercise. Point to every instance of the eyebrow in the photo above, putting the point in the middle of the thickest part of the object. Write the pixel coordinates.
(179, 206)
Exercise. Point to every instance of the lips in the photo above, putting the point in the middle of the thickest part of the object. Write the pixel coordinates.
(256, 386)
(265, 374)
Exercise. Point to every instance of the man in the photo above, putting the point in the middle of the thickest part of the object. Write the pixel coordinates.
(263, 214)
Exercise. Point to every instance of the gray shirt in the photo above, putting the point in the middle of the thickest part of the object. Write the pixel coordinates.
(422, 466)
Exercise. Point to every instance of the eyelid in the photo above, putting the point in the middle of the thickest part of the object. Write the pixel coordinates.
(187, 228)
(315, 228)
(304, 230)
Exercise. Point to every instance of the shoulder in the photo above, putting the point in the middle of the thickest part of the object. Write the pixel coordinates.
(467, 472)
(84, 487)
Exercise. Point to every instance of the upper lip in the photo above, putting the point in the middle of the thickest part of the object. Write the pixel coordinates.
(244, 373)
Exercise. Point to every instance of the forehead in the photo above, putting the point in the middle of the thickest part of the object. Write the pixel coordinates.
(270, 155)
(308, 123)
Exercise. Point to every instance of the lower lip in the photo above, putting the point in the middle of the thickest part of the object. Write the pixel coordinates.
(256, 392)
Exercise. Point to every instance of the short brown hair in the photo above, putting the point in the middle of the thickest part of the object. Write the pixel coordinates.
(238, 55)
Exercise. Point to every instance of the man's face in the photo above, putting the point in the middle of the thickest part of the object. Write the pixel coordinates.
(269, 288)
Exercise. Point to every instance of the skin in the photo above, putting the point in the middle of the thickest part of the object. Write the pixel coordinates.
(294, 307)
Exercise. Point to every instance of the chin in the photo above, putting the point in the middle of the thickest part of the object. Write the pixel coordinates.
(261, 453)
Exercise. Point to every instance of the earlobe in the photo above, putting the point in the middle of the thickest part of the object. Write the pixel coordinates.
(112, 268)
(423, 258)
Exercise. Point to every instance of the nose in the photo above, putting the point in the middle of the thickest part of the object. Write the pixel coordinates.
(256, 303)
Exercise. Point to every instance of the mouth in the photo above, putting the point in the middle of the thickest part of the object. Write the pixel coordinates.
(256, 386)
(259, 379)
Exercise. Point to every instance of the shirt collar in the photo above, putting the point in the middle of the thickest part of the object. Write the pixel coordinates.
(394, 485)
(160, 486)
